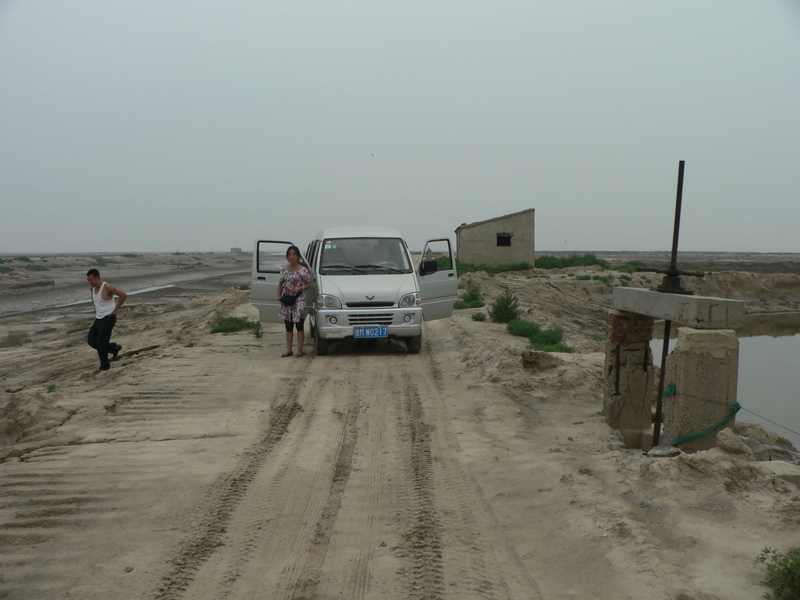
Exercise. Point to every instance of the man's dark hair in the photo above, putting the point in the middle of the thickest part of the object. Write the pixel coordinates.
(93, 272)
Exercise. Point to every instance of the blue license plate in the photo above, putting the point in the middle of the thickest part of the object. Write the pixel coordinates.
(370, 332)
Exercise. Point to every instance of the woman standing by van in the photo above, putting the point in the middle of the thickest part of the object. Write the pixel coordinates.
(295, 279)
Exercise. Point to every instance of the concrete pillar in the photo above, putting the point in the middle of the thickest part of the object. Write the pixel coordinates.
(629, 376)
(704, 367)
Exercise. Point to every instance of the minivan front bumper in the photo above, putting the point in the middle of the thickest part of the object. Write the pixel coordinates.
(339, 323)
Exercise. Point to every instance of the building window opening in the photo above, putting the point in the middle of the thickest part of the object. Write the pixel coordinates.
(504, 239)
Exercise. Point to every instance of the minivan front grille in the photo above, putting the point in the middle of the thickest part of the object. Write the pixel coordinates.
(369, 304)
(370, 318)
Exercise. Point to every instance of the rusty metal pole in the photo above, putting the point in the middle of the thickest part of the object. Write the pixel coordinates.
(672, 278)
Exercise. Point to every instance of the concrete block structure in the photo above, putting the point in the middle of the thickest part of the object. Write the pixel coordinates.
(700, 312)
(630, 382)
(499, 241)
(704, 369)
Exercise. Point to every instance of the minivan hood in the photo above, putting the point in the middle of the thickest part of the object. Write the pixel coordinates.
(368, 288)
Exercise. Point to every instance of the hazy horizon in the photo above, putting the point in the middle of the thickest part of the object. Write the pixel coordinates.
(163, 127)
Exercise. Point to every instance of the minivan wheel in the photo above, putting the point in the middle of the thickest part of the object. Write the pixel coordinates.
(322, 344)
(414, 344)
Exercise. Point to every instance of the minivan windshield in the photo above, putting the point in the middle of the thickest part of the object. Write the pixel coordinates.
(363, 256)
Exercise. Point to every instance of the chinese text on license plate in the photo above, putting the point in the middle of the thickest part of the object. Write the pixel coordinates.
(370, 332)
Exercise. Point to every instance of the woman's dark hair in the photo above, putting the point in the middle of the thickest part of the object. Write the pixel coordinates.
(296, 250)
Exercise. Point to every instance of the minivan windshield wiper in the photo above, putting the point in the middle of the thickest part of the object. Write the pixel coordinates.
(348, 267)
(386, 267)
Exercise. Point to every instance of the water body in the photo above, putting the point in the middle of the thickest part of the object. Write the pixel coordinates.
(769, 376)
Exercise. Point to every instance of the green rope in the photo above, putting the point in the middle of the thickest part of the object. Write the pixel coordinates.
(670, 391)
(693, 436)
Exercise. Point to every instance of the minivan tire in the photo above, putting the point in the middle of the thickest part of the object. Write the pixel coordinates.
(322, 344)
(414, 344)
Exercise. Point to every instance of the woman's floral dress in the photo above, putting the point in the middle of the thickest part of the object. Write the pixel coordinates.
(293, 280)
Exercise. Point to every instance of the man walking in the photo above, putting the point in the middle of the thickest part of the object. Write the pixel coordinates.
(105, 317)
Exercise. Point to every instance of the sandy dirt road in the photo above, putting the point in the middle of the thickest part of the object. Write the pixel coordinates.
(205, 466)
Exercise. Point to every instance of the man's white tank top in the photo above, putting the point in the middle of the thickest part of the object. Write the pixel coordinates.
(102, 307)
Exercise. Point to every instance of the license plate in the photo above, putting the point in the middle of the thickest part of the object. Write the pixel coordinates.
(371, 332)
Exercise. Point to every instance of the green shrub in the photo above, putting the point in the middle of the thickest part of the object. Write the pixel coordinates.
(131, 255)
(36, 268)
(630, 267)
(460, 304)
(26, 259)
(51, 388)
(625, 278)
(477, 304)
(472, 294)
(258, 330)
(783, 573)
(231, 324)
(478, 317)
(522, 328)
(547, 336)
(6, 269)
(505, 308)
(244, 286)
(607, 279)
(583, 277)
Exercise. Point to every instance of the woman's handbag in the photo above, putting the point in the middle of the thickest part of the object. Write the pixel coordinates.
(290, 299)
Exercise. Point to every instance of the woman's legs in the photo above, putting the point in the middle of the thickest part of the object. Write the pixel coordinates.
(301, 337)
(289, 339)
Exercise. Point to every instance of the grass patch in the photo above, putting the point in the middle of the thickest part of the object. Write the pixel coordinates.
(131, 255)
(583, 277)
(471, 298)
(545, 340)
(479, 317)
(36, 268)
(51, 388)
(231, 324)
(244, 286)
(26, 259)
(102, 262)
(783, 573)
(6, 269)
(464, 268)
(16, 338)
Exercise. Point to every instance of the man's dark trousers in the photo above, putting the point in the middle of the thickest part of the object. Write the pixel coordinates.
(100, 339)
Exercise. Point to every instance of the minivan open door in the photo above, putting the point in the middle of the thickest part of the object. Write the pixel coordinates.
(268, 258)
(438, 280)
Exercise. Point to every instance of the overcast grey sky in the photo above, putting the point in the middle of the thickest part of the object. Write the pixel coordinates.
(188, 126)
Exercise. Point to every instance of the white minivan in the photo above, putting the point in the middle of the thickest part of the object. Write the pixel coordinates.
(364, 285)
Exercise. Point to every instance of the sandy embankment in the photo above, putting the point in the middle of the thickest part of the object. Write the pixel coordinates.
(203, 466)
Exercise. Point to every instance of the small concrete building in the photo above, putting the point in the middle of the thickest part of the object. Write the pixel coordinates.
(499, 241)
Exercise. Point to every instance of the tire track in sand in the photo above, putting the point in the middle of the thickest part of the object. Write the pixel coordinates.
(226, 495)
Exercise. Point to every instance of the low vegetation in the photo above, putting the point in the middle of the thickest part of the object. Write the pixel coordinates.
(505, 308)
(547, 261)
(478, 317)
(545, 340)
(15, 338)
(783, 573)
(232, 324)
(471, 298)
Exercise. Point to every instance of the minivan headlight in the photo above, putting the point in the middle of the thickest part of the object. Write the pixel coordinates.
(409, 300)
(328, 301)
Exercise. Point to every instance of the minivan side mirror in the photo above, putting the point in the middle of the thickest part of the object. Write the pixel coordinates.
(426, 267)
